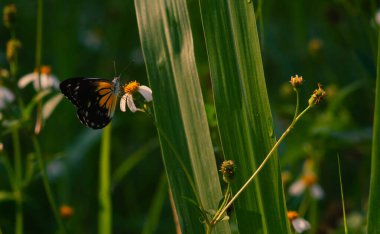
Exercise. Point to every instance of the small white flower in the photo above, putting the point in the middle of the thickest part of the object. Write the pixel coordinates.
(317, 192)
(299, 224)
(48, 80)
(297, 188)
(127, 98)
(307, 181)
(6, 96)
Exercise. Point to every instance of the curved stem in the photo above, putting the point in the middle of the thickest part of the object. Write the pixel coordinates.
(47, 186)
(261, 165)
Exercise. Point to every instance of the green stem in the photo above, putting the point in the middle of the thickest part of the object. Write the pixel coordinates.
(45, 181)
(297, 104)
(18, 180)
(261, 165)
(38, 61)
(39, 34)
(342, 196)
(209, 228)
(105, 206)
(227, 196)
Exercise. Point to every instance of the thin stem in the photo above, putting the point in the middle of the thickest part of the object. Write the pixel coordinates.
(45, 181)
(261, 165)
(225, 200)
(18, 180)
(9, 170)
(297, 104)
(39, 34)
(342, 196)
(105, 205)
(37, 128)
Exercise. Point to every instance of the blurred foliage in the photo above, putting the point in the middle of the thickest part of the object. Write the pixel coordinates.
(331, 42)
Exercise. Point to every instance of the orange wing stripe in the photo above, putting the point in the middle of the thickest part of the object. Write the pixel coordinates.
(104, 99)
(104, 85)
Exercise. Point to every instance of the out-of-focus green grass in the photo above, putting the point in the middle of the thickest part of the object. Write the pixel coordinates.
(329, 42)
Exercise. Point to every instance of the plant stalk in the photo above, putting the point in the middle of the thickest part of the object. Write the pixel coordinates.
(18, 181)
(45, 181)
(261, 165)
(105, 206)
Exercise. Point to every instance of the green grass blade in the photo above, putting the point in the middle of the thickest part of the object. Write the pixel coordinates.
(374, 194)
(132, 160)
(243, 112)
(104, 196)
(167, 45)
(342, 197)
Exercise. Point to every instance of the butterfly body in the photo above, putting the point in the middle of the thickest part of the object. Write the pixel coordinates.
(95, 99)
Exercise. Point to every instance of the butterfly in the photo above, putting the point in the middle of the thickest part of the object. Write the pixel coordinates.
(95, 99)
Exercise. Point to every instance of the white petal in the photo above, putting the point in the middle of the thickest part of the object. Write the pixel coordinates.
(54, 81)
(50, 105)
(6, 96)
(297, 188)
(300, 225)
(25, 80)
(123, 103)
(317, 192)
(47, 81)
(146, 92)
(131, 103)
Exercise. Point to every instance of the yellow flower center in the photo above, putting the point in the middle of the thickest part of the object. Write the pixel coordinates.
(66, 211)
(44, 70)
(131, 87)
(309, 180)
(292, 215)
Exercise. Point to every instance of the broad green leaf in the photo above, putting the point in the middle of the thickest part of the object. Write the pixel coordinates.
(374, 194)
(180, 116)
(243, 112)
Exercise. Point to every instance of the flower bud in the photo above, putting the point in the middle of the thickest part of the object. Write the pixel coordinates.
(317, 96)
(228, 171)
(9, 15)
(296, 81)
(13, 46)
(66, 211)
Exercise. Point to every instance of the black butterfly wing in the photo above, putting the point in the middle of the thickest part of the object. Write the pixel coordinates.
(94, 98)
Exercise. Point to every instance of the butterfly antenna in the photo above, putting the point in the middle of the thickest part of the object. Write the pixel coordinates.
(114, 67)
(126, 67)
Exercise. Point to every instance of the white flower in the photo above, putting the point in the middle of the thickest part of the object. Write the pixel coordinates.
(127, 98)
(6, 96)
(307, 181)
(48, 80)
(299, 224)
